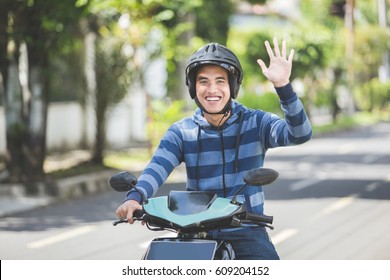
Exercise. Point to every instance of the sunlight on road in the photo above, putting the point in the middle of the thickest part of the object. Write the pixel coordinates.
(61, 237)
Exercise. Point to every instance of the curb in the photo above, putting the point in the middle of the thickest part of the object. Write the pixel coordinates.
(14, 199)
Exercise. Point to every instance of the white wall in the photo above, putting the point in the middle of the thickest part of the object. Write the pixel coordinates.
(125, 123)
(64, 125)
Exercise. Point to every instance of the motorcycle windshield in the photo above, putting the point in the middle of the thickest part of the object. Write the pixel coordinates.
(219, 208)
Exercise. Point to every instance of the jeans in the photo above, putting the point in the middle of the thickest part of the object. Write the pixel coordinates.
(250, 243)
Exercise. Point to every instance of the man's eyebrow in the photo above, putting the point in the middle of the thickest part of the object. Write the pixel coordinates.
(201, 76)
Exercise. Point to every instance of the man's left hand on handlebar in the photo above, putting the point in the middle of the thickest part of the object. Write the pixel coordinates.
(126, 210)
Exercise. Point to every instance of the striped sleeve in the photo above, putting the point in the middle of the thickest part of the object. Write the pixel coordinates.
(295, 129)
(167, 156)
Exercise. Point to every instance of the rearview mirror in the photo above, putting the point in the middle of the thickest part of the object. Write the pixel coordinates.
(260, 176)
(123, 181)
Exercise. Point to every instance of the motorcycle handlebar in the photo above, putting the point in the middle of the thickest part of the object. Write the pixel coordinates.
(137, 215)
(259, 218)
(263, 220)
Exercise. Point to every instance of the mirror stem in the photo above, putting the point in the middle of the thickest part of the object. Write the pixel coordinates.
(234, 198)
(143, 198)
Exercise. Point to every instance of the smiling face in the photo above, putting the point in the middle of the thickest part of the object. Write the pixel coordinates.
(212, 88)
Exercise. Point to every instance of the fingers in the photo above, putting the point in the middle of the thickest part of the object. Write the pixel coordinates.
(276, 47)
(122, 214)
(119, 213)
(126, 210)
(262, 65)
(290, 57)
(275, 52)
(284, 48)
(269, 50)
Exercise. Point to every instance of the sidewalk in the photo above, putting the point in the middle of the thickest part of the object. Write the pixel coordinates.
(13, 197)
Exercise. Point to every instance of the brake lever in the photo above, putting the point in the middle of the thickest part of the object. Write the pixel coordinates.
(257, 223)
(114, 223)
(237, 222)
(121, 221)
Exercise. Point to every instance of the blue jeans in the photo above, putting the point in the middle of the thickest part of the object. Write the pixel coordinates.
(250, 243)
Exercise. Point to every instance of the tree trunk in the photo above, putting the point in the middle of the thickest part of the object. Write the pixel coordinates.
(15, 128)
(37, 115)
(4, 9)
(177, 88)
(93, 127)
(90, 99)
(25, 104)
(25, 110)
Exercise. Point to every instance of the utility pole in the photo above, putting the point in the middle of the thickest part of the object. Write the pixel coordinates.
(384, 70)
(350, 42)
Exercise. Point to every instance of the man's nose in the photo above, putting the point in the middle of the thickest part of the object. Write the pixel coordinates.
(213, 87)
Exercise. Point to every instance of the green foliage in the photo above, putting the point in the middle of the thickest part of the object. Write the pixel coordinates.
(213, 28)
(163, 114)
(46, 26)
(314, 47)
(268, 102)
(111, 73)
(313, 53)
(256, 1)
(346, 122)
(255, 50)
(67, 81)
(373, 95)
(320, 11)
(369, 13)
(370, 44)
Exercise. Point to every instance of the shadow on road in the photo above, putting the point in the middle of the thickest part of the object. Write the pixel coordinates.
(365, 189)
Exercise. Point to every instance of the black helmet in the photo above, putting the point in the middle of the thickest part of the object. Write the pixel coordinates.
(214, 53)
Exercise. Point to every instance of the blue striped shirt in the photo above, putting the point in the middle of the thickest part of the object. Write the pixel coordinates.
(216, 159)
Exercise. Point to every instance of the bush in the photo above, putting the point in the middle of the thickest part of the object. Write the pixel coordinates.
(373, 95)
(162, 115)
(267, 102)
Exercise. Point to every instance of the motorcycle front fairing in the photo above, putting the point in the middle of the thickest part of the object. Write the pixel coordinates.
(191, 211)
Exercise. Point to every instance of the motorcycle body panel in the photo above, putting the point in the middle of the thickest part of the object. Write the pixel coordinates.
(189, 249)
(218, 208)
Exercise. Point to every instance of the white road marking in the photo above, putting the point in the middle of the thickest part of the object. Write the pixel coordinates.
(339, 204)
(336, 206)
(372, 187)
(347, 148)
(61, 237)
(303, 184)
(283, 235)
(370, 158)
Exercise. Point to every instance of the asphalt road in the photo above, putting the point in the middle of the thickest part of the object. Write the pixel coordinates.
(331, 202)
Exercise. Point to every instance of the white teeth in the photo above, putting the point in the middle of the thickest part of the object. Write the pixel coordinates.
(213, 98)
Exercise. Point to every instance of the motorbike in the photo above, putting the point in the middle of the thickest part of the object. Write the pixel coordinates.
(191, 215)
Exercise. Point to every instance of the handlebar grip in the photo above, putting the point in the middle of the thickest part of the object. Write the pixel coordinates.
(138, 213)
(259, 218)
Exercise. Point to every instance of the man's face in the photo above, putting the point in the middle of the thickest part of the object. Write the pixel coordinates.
(212, 88)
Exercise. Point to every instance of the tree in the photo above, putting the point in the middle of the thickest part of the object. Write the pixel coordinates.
(213, 28)
(122, 31)
(31, 33)
(108, 77)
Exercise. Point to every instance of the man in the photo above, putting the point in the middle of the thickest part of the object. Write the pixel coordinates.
(224, 139)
